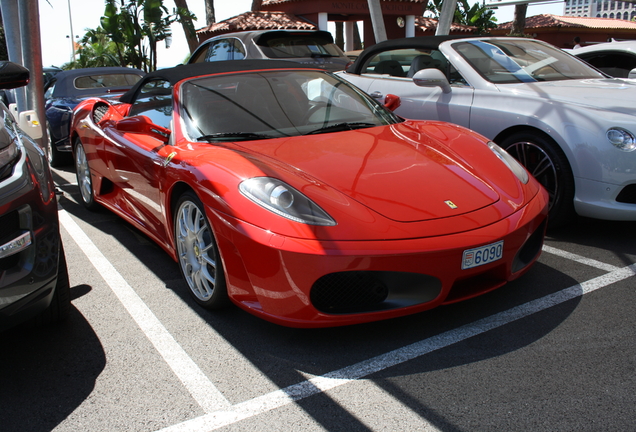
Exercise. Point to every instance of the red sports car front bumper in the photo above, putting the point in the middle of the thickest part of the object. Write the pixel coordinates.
(311, 283)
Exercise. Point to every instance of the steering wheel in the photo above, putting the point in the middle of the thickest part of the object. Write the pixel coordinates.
(315, 106)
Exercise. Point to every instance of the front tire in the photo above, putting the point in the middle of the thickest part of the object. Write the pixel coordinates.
(198, 254)
(84, 180)
(60, 307)
(545, 160)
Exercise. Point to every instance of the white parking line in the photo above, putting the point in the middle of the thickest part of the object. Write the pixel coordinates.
(194, 380)
(220, 413)
(302, 390)
(579, 259)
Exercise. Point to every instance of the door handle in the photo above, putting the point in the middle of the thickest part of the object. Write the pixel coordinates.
(376, 95)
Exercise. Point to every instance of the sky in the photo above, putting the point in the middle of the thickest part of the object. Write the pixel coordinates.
(55, 26)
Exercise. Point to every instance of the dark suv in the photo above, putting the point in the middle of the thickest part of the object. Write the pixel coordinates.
(33, 277)
(312, 47)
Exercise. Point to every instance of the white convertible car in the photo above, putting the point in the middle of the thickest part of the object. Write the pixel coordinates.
(572, 126)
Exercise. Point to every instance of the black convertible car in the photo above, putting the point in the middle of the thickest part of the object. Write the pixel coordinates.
(33, 277)
(67, 88)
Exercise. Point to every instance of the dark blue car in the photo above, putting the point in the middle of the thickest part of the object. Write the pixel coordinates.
(67, 88)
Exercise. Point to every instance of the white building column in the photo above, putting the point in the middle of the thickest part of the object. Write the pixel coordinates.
(323, 21)
(377, 20)
(409, 26)
(348, 26)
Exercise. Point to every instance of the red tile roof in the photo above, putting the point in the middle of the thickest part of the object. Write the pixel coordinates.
(547, 21)
(256, 21)
(427, 24)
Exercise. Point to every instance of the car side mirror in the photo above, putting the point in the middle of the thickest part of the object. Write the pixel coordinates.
(632, 74)
(143, 125)
(432, 78)
(392, 102)
(12, 75)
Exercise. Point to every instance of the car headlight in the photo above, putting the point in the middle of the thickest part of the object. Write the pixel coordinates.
(621, 138)
(282, 199)
(511, 162)
(8, 155)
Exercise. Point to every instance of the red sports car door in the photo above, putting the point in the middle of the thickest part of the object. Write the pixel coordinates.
(137, 170)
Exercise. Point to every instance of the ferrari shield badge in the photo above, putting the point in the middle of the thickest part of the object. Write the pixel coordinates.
(169, 158)
(450, 204)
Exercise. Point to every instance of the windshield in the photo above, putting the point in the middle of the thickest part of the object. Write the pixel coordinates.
(101, 81)
(298, 45)
(515, 61)
(275, 104)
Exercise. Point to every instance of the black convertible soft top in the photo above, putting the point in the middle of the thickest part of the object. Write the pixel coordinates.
(64, 80)
(180, 72)
(423, 42)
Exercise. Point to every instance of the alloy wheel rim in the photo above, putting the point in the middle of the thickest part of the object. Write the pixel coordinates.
(83, 175)
(539, 164)
(195, 247)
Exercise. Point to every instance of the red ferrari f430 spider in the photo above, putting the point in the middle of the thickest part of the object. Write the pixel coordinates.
(297, 197)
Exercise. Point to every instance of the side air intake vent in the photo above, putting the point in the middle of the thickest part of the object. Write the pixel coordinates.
(99, 111)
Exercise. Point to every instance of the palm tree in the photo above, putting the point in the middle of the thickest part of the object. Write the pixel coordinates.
(95, 50)
(519, 21)
(156, 26)
(210, 17)
(136, 26)
(476, 15)
(121, 22)
(185, 17)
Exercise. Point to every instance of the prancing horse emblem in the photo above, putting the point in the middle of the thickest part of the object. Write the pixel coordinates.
(450, 204)
(169, 158)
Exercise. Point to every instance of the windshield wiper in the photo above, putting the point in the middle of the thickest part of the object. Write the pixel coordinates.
(338, 127)
(230, 136)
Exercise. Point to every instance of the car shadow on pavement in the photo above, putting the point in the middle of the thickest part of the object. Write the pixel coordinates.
(287, 355)
(617, 238)
(47, 372)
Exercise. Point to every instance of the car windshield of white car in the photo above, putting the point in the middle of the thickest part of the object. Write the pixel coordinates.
(275, 104)
(515, 61)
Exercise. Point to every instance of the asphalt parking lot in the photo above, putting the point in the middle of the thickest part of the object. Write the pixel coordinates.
(552, 351)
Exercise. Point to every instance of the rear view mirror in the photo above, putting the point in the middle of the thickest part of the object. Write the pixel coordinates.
(12, 75)
(142, 125)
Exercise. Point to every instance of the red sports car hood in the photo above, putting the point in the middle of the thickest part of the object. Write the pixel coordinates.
(387, 170)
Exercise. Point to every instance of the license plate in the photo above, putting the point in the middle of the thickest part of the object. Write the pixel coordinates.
(482, 255)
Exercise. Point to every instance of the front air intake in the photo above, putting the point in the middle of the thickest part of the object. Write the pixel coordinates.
(369, 291)
(530, 249)
(627, 195)
(347, 291)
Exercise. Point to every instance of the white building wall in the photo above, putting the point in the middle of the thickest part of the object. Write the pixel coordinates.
(600, 9)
